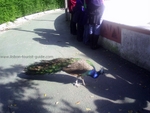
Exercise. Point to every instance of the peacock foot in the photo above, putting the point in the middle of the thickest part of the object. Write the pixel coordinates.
(77, 84)
(102, 70)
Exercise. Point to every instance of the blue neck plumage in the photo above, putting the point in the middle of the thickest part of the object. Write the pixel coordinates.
(93, 73)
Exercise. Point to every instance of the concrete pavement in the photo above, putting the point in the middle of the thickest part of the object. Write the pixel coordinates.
(124, 88)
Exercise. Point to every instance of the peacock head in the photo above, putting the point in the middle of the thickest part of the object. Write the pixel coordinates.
(95, 74)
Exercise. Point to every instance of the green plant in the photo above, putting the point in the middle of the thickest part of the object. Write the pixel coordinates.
(13, 9)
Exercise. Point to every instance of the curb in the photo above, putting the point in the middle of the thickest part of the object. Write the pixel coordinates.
(21, 20)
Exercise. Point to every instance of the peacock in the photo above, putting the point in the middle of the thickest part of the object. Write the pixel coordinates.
(77, 67)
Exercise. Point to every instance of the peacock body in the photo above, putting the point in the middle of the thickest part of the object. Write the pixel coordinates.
(73, 66)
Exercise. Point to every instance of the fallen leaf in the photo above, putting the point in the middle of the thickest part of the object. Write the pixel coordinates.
(56, 103)
(130, 111)
(15, 104)
(88, 109)
(91, 96)
(59, 41)
(78, 102)
(67, 42)
(120, 109)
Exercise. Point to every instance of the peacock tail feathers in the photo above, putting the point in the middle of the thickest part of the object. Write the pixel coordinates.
(69, 65)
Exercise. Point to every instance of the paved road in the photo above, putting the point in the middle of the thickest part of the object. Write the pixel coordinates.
(124, 88)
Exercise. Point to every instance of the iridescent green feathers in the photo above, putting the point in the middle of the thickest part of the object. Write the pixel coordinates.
(69, 65)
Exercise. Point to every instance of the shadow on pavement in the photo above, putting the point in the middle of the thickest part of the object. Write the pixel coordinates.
(124, 88)
(23, 95)
(12, 93)
(59, 78)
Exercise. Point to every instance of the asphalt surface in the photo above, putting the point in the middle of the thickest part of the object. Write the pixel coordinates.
(123, 88)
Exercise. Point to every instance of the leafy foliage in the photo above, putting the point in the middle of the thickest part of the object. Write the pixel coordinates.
(13, 9)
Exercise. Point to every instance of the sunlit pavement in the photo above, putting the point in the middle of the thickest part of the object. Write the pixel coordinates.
(123, 88)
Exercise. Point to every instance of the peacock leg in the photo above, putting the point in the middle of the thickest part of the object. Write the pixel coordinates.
(82, 80)
(76, 82)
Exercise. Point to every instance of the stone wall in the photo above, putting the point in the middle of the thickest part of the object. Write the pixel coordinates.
(131, 43)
